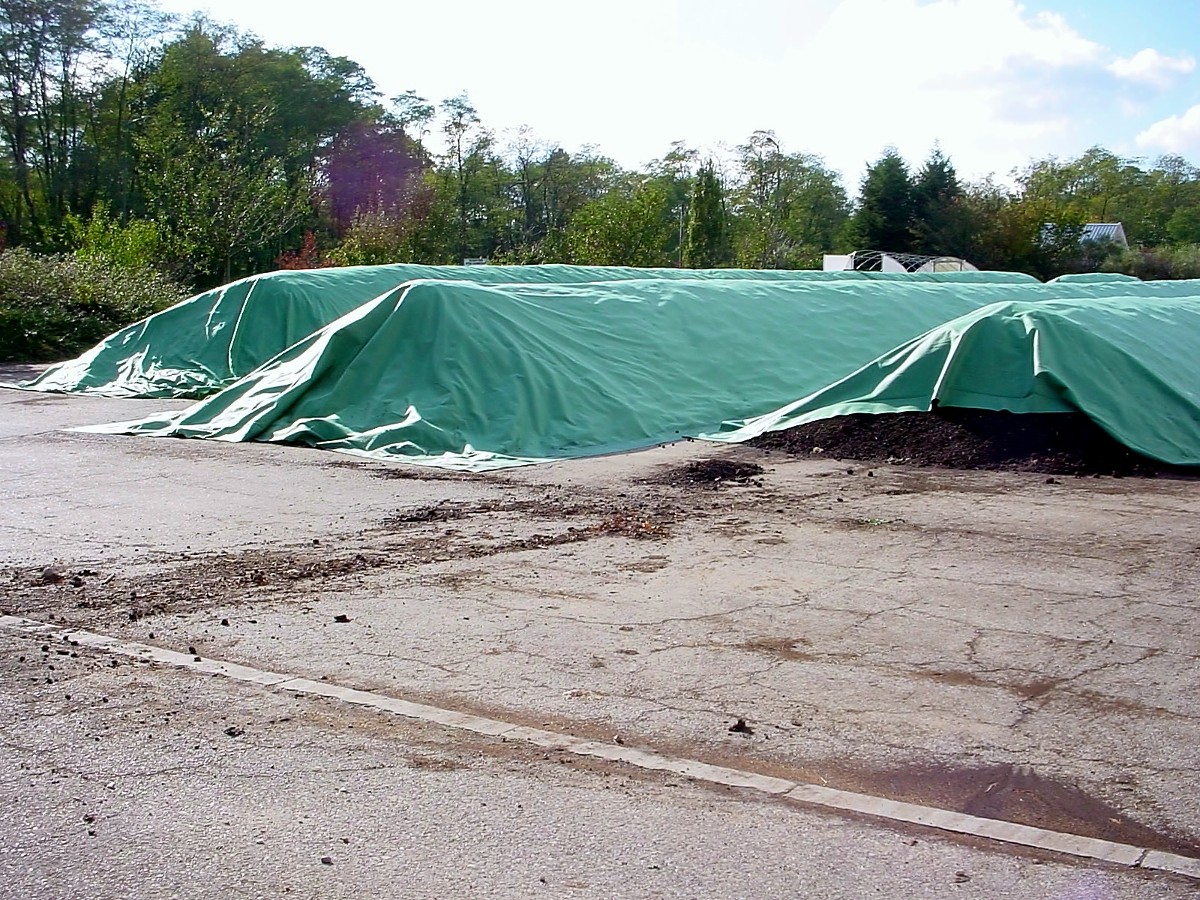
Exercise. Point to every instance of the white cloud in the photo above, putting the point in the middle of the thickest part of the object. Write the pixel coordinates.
(1151, 67)
(1176, 134)
(992, 82)
(996, 83)
(895, 45)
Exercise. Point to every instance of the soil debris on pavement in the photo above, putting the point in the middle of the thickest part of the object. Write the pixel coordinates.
(434, 512)
(633, 525)
(405, 471)
(1015, 793)
(956, 438)
(552, 506)
(411, 537)
(53, 574)
(709, 473)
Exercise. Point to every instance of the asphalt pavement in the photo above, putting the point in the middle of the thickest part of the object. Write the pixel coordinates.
(987, 643)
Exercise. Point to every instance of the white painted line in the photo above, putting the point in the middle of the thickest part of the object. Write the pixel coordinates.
(808, 794)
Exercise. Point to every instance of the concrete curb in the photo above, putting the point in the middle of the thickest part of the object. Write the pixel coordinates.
(797, 792)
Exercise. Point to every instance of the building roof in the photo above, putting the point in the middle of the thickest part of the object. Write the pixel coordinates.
(1104, 231)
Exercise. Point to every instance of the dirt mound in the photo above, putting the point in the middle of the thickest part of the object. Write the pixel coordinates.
(1053, 443)
(709, 473)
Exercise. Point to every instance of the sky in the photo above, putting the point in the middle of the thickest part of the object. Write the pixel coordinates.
(994, 83)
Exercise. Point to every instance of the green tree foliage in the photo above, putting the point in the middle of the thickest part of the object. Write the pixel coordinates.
(788, 209)
(547, 186)
(886, 212)
(708, 243)
(465, 179)
(1097, 187)
(1172, 194)
(285, 104)
(1155, 263)
(567, 182)
(675, 176)
(54, 306)
(376, 237)
(235, 142)
(631, 226)
(1016, 232)
(942, 223)
(133, 34)
(44, 45)
(223, 198)
(135, 245)
(1184, 225)
(413, 113)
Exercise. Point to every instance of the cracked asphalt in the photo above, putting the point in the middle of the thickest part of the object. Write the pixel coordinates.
(987, 642)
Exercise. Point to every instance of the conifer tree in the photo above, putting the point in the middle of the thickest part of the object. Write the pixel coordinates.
(941, 226)
(884, 217)
(708, 244)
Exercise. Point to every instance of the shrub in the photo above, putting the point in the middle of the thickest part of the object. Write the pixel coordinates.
(375, 238)
(309, 256)
(54, 307)
(1158, 263)
(137, 244)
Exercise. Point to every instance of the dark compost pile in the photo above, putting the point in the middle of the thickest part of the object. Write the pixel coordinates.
(1053, 443)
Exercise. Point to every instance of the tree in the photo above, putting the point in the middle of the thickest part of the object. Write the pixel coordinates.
(1099, 186)
(1172, 196)
(413, 114)
(941, 224)
(299, 100)
(1019, 233)
(674, 175)
(788, 209)
(373, 169)
(547, 186)
(569, 182)
(467, 153)
(1184, 225)
(43, 46)
(376, 237)
(133, 33)
(708, 244)
(625, 227)
(884, 218)
(233, 143)
(222, 198)
(526, 156)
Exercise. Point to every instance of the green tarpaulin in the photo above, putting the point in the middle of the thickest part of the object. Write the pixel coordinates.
(209, 341)
(1130, 362)
(473, 375)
